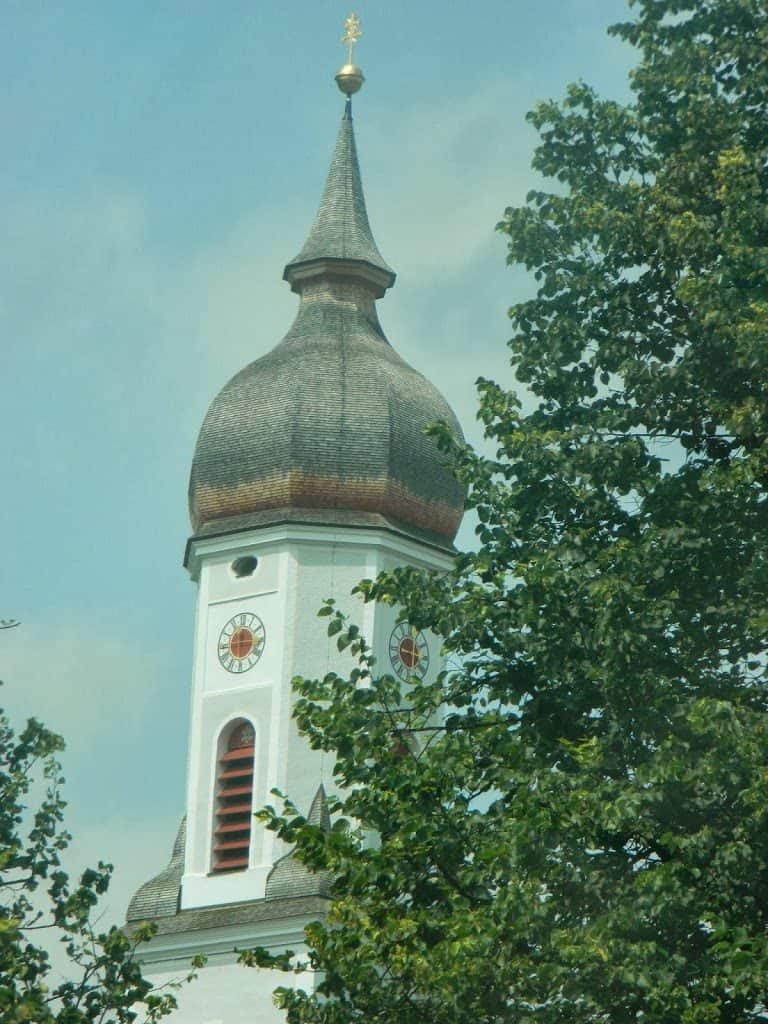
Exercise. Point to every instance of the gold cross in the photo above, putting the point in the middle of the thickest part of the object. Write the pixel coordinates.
(352, 33)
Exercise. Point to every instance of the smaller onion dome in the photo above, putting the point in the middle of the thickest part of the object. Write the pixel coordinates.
(289, 877)
(159, 897)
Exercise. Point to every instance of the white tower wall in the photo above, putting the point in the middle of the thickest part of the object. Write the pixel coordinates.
(298, 567)
(224, 991)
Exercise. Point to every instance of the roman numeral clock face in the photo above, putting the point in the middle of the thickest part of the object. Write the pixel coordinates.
(241, 642)
(408, 651)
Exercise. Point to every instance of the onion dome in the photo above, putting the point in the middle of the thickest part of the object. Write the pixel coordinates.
(289, 877)
(159, 897)
(330, 425)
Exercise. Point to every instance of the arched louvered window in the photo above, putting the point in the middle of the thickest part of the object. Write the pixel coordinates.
(234, 799)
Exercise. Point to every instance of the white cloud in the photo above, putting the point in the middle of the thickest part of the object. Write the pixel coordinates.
(138, 849)
(438, 179)
(69, 267)
(91, 685)
(224, 305)
(100, 691)
(87, 282)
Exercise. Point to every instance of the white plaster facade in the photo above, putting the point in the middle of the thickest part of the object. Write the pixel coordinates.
(225, 992)
(298, 567)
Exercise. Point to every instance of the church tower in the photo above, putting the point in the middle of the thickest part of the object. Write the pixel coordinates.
(312, 471)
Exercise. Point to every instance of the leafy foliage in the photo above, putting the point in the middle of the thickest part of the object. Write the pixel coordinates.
(581, 831)
(104, 982)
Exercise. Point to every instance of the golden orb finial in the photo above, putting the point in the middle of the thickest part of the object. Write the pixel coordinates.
(350, 77)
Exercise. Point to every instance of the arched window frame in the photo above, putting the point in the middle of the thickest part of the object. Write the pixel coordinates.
(233, 797)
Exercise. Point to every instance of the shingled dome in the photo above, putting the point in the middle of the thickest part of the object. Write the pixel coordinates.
(332, 419)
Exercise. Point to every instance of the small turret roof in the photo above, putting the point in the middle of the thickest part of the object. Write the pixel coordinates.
(341, 230)
(289, 877)
(159, 897)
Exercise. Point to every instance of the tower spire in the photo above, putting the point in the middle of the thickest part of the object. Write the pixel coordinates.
(340, 241)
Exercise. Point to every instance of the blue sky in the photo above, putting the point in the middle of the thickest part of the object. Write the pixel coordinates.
(161, 163)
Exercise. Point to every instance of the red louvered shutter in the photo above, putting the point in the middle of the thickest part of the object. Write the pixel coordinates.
(234, 801)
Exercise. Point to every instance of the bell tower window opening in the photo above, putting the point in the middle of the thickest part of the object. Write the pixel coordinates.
(234, 799)
(245, 566)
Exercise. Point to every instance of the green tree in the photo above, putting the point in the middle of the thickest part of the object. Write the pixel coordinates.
(581, 831)
(104, 984)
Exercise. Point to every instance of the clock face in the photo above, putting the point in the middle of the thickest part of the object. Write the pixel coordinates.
(241, 642)
(408, 651)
